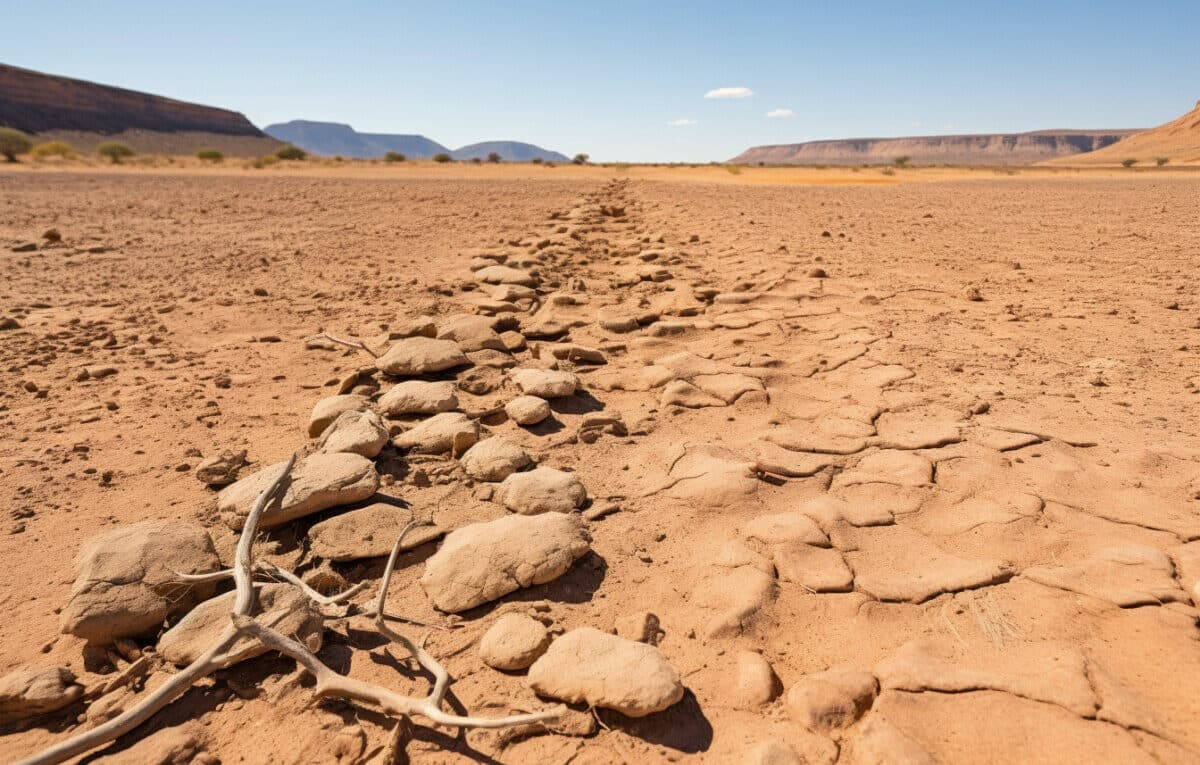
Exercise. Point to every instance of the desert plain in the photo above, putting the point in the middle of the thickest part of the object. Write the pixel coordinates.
(897, 468)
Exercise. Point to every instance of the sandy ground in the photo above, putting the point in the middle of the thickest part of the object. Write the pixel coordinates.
(976, 395)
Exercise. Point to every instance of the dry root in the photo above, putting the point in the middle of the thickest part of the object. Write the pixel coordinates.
(329, 683)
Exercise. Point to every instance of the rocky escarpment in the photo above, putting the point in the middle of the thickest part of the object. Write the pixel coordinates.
(86, 112)
(987, 149)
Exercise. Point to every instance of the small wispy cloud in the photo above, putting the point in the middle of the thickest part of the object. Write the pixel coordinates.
(681, 122)
(729, 93)
(781, 113)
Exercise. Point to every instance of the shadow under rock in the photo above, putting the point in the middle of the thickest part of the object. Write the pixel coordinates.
(580, 403)
(682, 727)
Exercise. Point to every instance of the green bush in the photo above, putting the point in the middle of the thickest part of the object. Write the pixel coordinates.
(115, 151)
(12, 143)
(441, 158)
(493, 157)
(902, 161)
(394, 156)
(580, 159)
(1162, 161)
(53, 149)
(210, 155)
(1128, 162)
(290, 152)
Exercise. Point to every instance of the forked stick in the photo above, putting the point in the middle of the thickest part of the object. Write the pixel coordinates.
(210, 661)
(356, 345)
(329, 683)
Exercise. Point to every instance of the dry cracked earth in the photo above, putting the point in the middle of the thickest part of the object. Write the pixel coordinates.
(903, 474)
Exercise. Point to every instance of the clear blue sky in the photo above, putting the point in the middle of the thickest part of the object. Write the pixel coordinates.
(608, 77)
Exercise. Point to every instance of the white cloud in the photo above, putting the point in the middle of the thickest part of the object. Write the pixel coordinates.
(780, 113)
(681, 123)
(729, 93)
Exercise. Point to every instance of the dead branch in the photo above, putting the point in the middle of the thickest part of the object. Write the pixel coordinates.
(329, 683)
(356, 345)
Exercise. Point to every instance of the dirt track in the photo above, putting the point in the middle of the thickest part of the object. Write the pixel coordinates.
(1007, 486)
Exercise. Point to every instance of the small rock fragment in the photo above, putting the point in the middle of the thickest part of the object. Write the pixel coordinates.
(494, 459)
(527, 410)
(514, 642)
(221, 470)
(545, 383)
(833, 699)
(328, 409)
(318, 482)
(541, 490)
(420, 355)
(440, 433)
(418, 397)
(361, 433)
(31, 691)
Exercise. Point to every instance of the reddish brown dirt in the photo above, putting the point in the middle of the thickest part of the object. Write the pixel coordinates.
(1087, 336)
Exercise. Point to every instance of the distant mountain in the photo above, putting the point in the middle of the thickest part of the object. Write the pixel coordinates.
(1178, 141)
(335, 139)
(986, 149)
(86, 114)
(509, 151)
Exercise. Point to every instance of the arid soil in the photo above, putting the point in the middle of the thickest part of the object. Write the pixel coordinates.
(928, 449)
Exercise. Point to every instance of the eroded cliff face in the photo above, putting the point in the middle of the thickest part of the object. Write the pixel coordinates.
(37, 103)
(993, 149)
(1178, 142)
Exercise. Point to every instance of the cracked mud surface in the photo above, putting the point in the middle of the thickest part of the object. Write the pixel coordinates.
(834, 456)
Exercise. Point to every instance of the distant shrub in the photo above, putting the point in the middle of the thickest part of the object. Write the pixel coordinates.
(902, 161)
(12, 143)
(291, 153)
(581, 159)
(53, 149)
(1128, 162)
(1162, 161)
(265, 161)
(210, 155)
(442, 158)
(494, 157)
(536, 160)
(476, 161)
(621, 167)
(548, 164)
(115, 151)
(394, 156)
(888, 171)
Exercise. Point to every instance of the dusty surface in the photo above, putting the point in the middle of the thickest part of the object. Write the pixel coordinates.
(989, 505)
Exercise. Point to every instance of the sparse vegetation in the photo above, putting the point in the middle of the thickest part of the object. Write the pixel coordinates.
(536, 160)
(734, 169)
(1162, 161)
(12, 143)
(265, 161)
(493, 157)
(580, 159)
(210, 155)
(621, 167)
(53, 149)
(476, 161)
(394, 156)
(902, 161)
(1128, 162)
(889, 171)
(290, 152)
(441, 158)
(115, 151)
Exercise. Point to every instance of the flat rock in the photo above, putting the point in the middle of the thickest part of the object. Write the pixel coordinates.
(505, 275)
(898, 564)
(527, 410)
(494, 459)
(545, 383)
(995, 507)
(485, 561)
(127, 583)
(913, 431)
(683, 393)
(776, 460)
(329, 409)
(1126, 575)
(420, 355)
(361, 433)
(589, 666)
(899, 468)
(728, 387)
(789, 527)
(829, 510)
(641, 626)
(878, 742)
(418, 397)
(440, 433)
(816, 439)
(318, 482)
(1002, 440)
(640, 379)
(471, 333)
(710, 476)
(541, 490)
(283, 607)
(833, 699)
(1047, 672)
(222, 469)
(818, 569)
(728, 600)
(368, 532)
(31, 691)
(514, 642)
